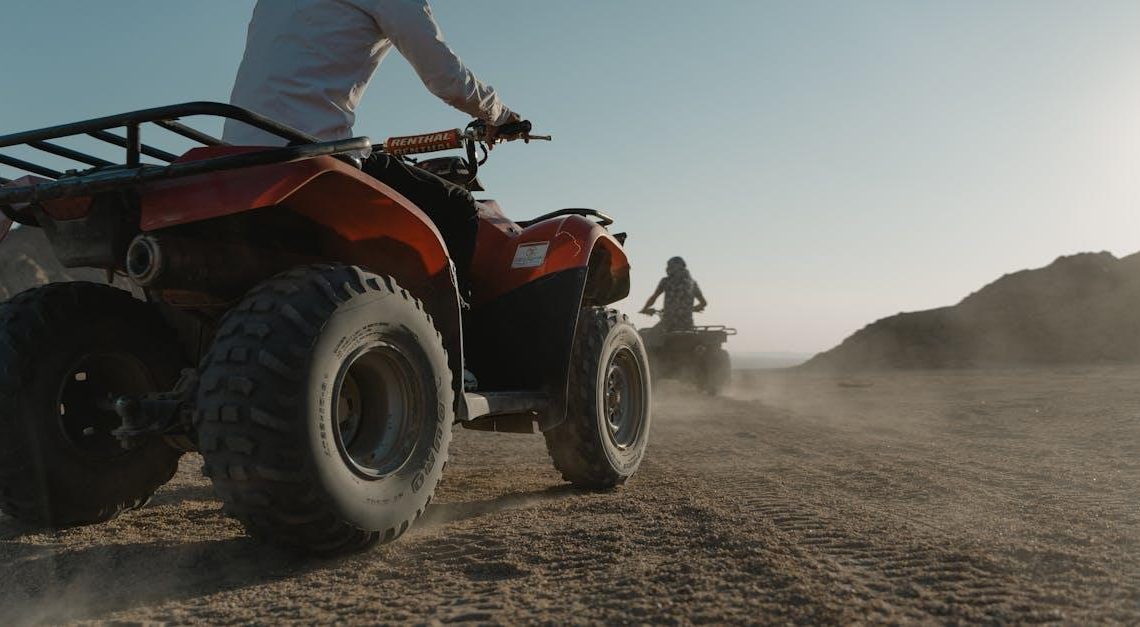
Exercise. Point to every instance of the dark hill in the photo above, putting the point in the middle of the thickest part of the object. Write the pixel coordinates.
(1082, 308)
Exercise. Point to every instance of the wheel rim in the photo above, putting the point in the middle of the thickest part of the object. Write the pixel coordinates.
(624, 402)
(376, 410)
(86, 401)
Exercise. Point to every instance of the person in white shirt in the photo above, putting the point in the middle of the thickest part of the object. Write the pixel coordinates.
(307, 64)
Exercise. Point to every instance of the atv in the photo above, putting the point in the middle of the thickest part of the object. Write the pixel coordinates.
(297, 322)
(695, 355)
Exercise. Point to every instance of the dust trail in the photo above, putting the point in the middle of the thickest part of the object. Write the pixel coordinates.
(441, 514)
(944, 497)
(49, 585)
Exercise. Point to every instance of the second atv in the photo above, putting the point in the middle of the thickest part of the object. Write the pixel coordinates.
(695, 355)
(297, 322)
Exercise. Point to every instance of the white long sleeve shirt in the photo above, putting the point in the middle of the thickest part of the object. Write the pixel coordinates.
(308, 62)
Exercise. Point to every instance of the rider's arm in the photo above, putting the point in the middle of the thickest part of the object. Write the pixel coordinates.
(657, 292)
(413, 31)
(701, 302)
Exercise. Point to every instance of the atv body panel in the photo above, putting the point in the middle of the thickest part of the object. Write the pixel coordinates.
(232, 216)
(529, 285)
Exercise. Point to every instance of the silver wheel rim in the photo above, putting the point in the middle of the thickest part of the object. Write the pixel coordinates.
(376, 410)
(623, 403)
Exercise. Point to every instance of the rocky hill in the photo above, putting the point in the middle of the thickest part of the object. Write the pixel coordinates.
(1082, 308)
(26, 260)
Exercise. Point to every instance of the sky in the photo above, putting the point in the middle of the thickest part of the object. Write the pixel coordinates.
(820, 165)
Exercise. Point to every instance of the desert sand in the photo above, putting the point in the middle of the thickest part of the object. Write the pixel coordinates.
(952, 496)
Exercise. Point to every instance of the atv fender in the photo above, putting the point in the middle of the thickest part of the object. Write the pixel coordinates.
(525, 316)
(5, 226)
(361, 221)
(325, 189)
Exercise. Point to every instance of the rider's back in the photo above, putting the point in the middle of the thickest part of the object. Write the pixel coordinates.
(308, 62)
(680, 292)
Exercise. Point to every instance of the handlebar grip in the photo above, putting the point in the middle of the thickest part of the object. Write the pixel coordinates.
(430, 142)
(521, 127)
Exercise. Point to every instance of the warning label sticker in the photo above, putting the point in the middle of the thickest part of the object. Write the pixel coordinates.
(530, 255)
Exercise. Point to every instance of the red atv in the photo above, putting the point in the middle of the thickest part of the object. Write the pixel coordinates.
(297, 322)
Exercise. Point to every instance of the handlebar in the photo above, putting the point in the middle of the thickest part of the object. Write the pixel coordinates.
(522, 127)
(452, 139)
(428, 142)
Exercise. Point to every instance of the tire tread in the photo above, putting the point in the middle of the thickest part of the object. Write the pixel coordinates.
(575, 446)
(258, 466)
(31, 323)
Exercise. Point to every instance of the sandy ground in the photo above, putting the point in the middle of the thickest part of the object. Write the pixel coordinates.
(961, 497)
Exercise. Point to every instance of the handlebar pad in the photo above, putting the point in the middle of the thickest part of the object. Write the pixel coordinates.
(416, 144)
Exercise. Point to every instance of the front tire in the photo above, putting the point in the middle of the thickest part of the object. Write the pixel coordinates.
(66, 349)
(603, 439)
(325, 409)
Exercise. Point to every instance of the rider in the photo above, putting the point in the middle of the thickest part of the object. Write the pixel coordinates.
(680, 291)
(307, 64)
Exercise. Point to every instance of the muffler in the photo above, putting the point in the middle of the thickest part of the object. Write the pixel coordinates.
(145, 263)
(164, 262)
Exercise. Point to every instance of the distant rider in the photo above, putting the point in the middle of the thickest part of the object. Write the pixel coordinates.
(308, 62)
(680, 291)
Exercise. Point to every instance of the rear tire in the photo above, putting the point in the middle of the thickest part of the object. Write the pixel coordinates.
(602, 441)
(64, 349)
(717, 371)
(325, 410)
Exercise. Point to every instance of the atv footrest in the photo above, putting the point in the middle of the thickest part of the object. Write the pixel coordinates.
(510, 412)
(485, 404)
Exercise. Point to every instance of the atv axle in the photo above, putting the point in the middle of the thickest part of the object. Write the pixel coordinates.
(167, 414)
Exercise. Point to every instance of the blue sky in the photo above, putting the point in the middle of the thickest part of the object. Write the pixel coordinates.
(820, 164)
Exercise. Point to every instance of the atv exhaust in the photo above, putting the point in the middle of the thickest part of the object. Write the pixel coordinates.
(164, 262)
(145, 263)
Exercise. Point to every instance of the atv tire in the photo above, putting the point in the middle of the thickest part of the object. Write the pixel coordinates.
(602, 441)
(717, 371)
(66, 349)
(325, 410)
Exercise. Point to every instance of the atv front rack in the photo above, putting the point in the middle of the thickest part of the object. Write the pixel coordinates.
(95, 174)
(603, 219)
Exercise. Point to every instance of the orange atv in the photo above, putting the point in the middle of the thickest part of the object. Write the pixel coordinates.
(297, 322)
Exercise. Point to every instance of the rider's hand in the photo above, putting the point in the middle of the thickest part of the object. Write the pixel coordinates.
(699, 308)
(492, 134)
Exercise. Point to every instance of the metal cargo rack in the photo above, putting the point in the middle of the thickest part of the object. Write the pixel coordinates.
(712, 328)
(95, 174)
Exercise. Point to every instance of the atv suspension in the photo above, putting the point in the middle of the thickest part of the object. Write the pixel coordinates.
(166, 414)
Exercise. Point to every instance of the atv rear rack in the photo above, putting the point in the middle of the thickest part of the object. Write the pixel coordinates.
(99, 175)
(710, 328)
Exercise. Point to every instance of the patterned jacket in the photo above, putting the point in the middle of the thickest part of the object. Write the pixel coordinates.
(680, 293)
